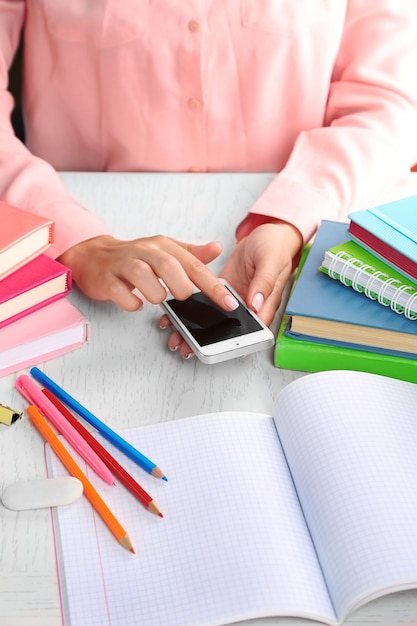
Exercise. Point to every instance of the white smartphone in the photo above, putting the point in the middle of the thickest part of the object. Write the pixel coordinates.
(216, 335)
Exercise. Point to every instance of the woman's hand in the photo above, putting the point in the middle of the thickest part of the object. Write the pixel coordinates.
(258, 269)
(261, 264)
(105, 268)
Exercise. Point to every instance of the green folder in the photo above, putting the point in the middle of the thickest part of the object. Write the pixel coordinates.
(309, 356)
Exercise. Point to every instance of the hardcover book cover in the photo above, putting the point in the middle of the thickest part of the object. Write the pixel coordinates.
(34, 285)
(23, 235)
(46, 333)
(389, 230)
(314, 356)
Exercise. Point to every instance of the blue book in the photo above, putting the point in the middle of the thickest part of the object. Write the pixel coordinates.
(293, 353)
(322, 308)
(390, 232)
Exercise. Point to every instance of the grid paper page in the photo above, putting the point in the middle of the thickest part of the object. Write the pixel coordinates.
(232, 545)
(351, 442)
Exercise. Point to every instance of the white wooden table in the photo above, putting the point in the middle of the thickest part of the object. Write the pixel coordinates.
(128, 377)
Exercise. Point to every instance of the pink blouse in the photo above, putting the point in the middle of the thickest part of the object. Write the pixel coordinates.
(322, 92)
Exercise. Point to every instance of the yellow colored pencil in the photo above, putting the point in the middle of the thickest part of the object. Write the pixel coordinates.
(62, 453)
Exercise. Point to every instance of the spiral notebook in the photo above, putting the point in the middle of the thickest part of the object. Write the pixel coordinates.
(250, 511)
(357, 268)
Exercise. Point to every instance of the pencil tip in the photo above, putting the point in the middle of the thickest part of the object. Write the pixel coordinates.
(158, 473)
(126, 543)
(132, 550)
(153, 508)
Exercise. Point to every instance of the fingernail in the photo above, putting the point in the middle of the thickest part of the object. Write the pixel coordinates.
(173, 348)
(257, 302)
(231, 302)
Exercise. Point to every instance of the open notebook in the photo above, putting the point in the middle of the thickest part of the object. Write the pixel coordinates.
(309, 513)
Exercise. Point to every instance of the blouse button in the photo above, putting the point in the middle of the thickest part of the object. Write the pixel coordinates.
(193, 26)
(194, 104)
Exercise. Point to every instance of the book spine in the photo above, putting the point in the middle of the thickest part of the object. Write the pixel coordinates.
(373, 283)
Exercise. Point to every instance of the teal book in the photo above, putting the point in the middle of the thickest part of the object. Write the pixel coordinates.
(356, 267)
(325, 311)
(390, 231)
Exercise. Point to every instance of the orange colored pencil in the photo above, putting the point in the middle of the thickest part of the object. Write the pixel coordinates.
(62, 453)
(113, 465)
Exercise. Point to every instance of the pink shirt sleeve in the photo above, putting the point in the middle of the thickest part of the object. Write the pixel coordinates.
(25, 180)
(30, 183)
(369, 136)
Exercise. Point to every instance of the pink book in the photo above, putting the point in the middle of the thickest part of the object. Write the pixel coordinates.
(31, 287)
(44, 334)
(23, 235)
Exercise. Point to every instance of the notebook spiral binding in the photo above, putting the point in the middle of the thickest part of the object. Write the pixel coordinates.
(375, 285)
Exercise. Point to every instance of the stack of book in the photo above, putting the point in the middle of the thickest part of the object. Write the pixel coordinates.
(37, 321)
(353, 304)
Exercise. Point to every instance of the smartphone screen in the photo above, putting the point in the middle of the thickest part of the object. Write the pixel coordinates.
(208, 323)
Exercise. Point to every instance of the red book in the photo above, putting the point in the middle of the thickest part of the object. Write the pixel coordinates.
(389, 231)
(23, 236)
(31, 287)
(386, 252)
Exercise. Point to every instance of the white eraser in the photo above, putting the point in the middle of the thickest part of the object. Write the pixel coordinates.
(42, 493)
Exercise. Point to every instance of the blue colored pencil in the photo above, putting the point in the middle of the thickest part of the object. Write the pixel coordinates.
(118, 441)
